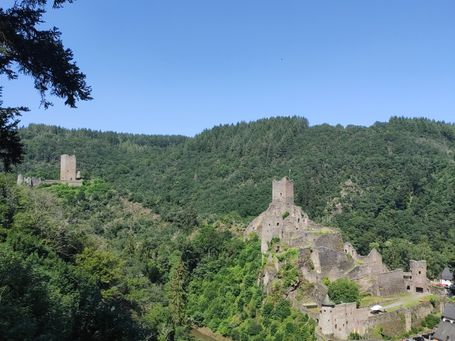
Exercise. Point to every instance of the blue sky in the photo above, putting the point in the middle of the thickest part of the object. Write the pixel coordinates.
(178, 67)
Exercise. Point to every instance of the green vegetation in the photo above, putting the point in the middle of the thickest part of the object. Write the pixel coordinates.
(84, 263)
(56, 280)
(431, 321)
(26, 48)
(229, 302)
(149, 247)
(368, 300)
(344, 290)
(393, 183)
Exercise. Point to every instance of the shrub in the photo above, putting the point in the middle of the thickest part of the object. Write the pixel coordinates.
(344, 290)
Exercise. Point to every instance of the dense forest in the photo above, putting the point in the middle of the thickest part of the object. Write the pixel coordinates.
(390, 185)
(87, 264)
(149, 247)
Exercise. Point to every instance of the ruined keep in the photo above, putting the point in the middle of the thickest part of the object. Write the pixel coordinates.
(322, 254)
(283, 191)
(416, 279)
(67, 167)
(68, 174)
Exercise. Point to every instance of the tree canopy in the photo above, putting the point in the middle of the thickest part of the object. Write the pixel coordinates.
(27, 49)
(344, 290)
(390, 186)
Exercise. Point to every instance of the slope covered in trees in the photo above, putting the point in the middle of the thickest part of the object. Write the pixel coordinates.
(87, 264)
(391, 185)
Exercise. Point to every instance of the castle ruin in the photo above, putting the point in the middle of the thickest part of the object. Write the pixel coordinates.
(68, 174)
(283, 191)
(67, 167)
(323, 254)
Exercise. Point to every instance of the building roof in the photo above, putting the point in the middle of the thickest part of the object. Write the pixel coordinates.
(446, 274)
(445, 332)
(449, 311)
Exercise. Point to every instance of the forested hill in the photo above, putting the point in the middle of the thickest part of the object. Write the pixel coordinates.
(391, 183)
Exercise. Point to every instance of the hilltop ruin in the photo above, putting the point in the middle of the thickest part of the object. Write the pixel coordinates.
(68, 174)
(323, 255)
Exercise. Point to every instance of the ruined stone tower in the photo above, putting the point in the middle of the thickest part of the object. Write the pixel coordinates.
(419, 276)
(282, 218)
(67, 167)
(283, 191)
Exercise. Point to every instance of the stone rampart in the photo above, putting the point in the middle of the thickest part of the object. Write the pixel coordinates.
(390, 283)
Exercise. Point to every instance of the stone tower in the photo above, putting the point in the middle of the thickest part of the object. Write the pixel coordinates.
(419, 276)
(68, 167)
(283, 191)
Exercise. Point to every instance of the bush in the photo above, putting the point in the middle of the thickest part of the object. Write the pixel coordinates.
(430, 321)
(344, 290)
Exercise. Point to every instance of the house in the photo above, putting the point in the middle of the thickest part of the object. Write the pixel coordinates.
(446, 277)
(446, 328)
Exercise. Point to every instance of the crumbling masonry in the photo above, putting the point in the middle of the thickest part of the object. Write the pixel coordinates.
(330, 258)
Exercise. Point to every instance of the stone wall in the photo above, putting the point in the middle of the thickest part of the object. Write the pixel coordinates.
(342, 319)
(29, 181)
(283, 220)
(350, 251)
(390, 283)
(399, 321)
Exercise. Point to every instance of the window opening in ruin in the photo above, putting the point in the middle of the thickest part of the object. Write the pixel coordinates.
(418, 289)
(277, 224)
(408, 288)
(420, 272)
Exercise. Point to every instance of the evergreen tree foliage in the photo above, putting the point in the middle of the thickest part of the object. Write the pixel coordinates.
(25, 48)
(389, 186)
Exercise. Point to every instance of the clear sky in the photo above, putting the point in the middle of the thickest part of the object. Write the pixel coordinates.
(178, 67)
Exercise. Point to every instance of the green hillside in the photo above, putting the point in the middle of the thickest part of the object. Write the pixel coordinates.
(86, 264)
(390, 185)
